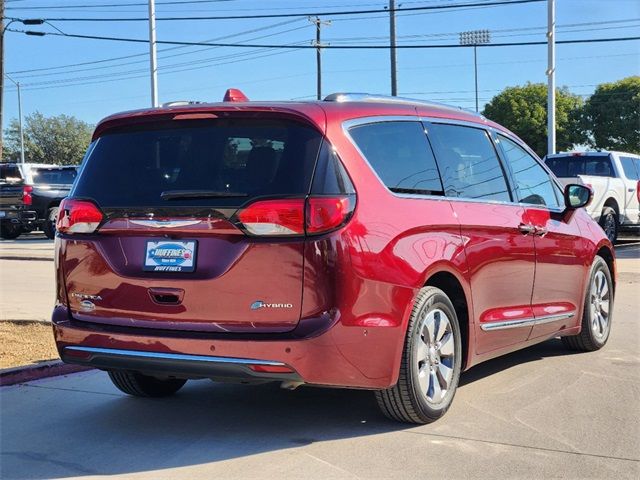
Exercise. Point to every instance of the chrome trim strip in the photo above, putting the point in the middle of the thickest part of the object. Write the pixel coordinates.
(173, 356)
(165, 223)
(525, 322)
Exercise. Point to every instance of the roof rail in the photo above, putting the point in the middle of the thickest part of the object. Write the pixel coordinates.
(375, 98)
(180, 103)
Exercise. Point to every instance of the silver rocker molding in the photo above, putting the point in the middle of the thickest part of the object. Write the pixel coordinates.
(525, 322)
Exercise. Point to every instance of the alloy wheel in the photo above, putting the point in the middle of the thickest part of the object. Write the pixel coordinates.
(600, 295)
(434, 354)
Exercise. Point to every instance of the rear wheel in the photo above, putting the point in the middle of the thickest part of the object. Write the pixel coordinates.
(49, 227)
(9, 231)
(596, 315)
(609, 223)
(431, 362)
(139, 385)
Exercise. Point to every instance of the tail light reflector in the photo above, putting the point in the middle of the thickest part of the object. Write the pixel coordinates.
(295, 216)
(27, 199)
(638, 190)
(271, 368)
(78, 216)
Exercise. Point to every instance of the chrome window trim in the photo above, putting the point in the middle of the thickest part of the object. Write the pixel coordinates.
(172, 356)
(492, 131)
(525, 322)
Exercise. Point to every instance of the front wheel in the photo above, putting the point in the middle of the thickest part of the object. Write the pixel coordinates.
(596, 314)
(139, 385)
(609, 223)
(431, 362)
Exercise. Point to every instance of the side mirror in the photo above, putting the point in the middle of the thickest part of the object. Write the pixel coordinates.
(577, 196)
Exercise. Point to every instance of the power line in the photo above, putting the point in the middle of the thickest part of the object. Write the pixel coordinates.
(334, 47)
(288, 15)
(52, 7)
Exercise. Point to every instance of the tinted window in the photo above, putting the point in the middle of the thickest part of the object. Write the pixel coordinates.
(10, 173)
(61, 176)
(631, 167)
(533, 184)
(134, 166)
(468, 163)
(574, 165)
(399, 152)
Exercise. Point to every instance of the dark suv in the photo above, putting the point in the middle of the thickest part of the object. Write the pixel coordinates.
(360, 241)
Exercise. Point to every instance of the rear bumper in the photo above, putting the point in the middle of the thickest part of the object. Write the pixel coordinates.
(344, 356)
(178, 365)
(18, 215)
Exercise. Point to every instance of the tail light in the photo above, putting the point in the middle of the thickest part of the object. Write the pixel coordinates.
(27, 199)
(78, 216)
(295, 216)
(638, 191)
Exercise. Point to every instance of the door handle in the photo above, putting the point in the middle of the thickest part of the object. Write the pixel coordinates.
(526, 228)
(540, 231)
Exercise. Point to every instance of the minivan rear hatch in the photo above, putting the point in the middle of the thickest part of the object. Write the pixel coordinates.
(171, 251)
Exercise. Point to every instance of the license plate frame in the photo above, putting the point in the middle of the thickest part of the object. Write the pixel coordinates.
(170, 256)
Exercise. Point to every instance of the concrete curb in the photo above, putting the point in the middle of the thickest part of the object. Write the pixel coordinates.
(18, 257)
(12, 376)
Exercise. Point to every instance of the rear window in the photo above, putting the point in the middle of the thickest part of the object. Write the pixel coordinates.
(229, 161)
(572, 166)
(60, 176)
(10, 173)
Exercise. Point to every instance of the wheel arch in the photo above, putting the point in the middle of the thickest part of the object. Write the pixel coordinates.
(453, 287)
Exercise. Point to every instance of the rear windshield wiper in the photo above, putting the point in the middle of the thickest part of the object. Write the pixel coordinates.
(177, 194)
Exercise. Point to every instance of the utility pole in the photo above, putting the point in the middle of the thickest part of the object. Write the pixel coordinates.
(475, 38)
(318, 44)
(392, 50)
(551, 77)
(1, 74)
(17, 84)
(152, 53)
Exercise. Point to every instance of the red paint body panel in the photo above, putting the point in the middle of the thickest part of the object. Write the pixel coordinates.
(352, 290)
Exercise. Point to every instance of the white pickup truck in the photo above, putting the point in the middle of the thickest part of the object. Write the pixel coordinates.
(615, 180)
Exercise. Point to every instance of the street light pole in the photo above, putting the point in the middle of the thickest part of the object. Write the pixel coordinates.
(551, 77)
(475, 38)
(17, 84)
(152, 53)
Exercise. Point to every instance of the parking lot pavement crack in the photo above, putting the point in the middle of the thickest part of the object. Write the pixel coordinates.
(341, 470)
(29, 385)
(528, 447)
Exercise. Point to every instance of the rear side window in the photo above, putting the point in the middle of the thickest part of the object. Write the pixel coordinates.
(400, 154)
(468, 163)
(574, 165)
(533, 183)
(631, 167)
(229, 161)
(60, 176)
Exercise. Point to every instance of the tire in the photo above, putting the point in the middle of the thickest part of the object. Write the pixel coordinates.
(49, 226)
(596, 322)
(409, 400)
(10, 231)
(609, 223)
(139, 385)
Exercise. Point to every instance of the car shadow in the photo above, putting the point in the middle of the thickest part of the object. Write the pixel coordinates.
(106, 433)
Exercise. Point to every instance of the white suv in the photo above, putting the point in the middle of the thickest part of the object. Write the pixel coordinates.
(615, 180)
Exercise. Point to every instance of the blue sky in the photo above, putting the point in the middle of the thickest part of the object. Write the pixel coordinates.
(93, 91)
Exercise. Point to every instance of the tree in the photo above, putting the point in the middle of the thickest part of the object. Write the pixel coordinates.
(612, 116)
(523, 110)
(60, 140)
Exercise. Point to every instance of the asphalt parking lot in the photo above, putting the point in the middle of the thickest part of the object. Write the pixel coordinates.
(539, 413)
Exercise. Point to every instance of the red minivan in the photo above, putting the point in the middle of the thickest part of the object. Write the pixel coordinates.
(361, 241)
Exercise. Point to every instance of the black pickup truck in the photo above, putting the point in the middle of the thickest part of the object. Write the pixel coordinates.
(35, 207)
(14, 214)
